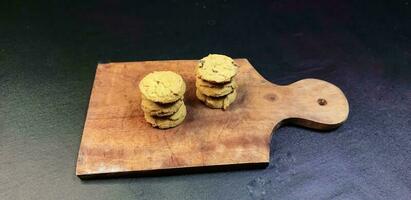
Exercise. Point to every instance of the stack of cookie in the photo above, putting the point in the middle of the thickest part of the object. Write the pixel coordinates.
(215, 82)
(162, 95)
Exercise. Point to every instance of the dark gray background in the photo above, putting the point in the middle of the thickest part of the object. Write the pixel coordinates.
(49, 52)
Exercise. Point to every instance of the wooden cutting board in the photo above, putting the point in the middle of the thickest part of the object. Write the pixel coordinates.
(117, 140)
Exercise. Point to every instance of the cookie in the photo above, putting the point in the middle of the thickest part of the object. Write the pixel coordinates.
(167, 122)
(162, 87)
(217, 102)
(215, 90)
(159, 109)
(216, 68)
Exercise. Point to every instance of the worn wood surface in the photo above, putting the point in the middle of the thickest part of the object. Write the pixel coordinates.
(116, 139)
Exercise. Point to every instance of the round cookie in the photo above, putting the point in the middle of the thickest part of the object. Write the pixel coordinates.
(167, 122)
(215, 90)
(216, 68)
(162, 87)
(158, 109)
(217, 102)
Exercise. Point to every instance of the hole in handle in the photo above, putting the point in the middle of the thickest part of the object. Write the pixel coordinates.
(322, 102)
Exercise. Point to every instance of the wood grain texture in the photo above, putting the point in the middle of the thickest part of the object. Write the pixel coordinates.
(117, 140)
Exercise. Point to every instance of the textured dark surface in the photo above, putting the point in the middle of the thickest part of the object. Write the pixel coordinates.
(49, 52)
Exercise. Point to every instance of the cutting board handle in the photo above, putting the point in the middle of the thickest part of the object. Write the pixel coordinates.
(315, 104)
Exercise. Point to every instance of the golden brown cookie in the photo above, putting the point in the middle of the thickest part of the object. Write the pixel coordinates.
(217, 102)
(167, 122)
(215, 90)
(159, 109)
(162, 87)
(216, 68)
